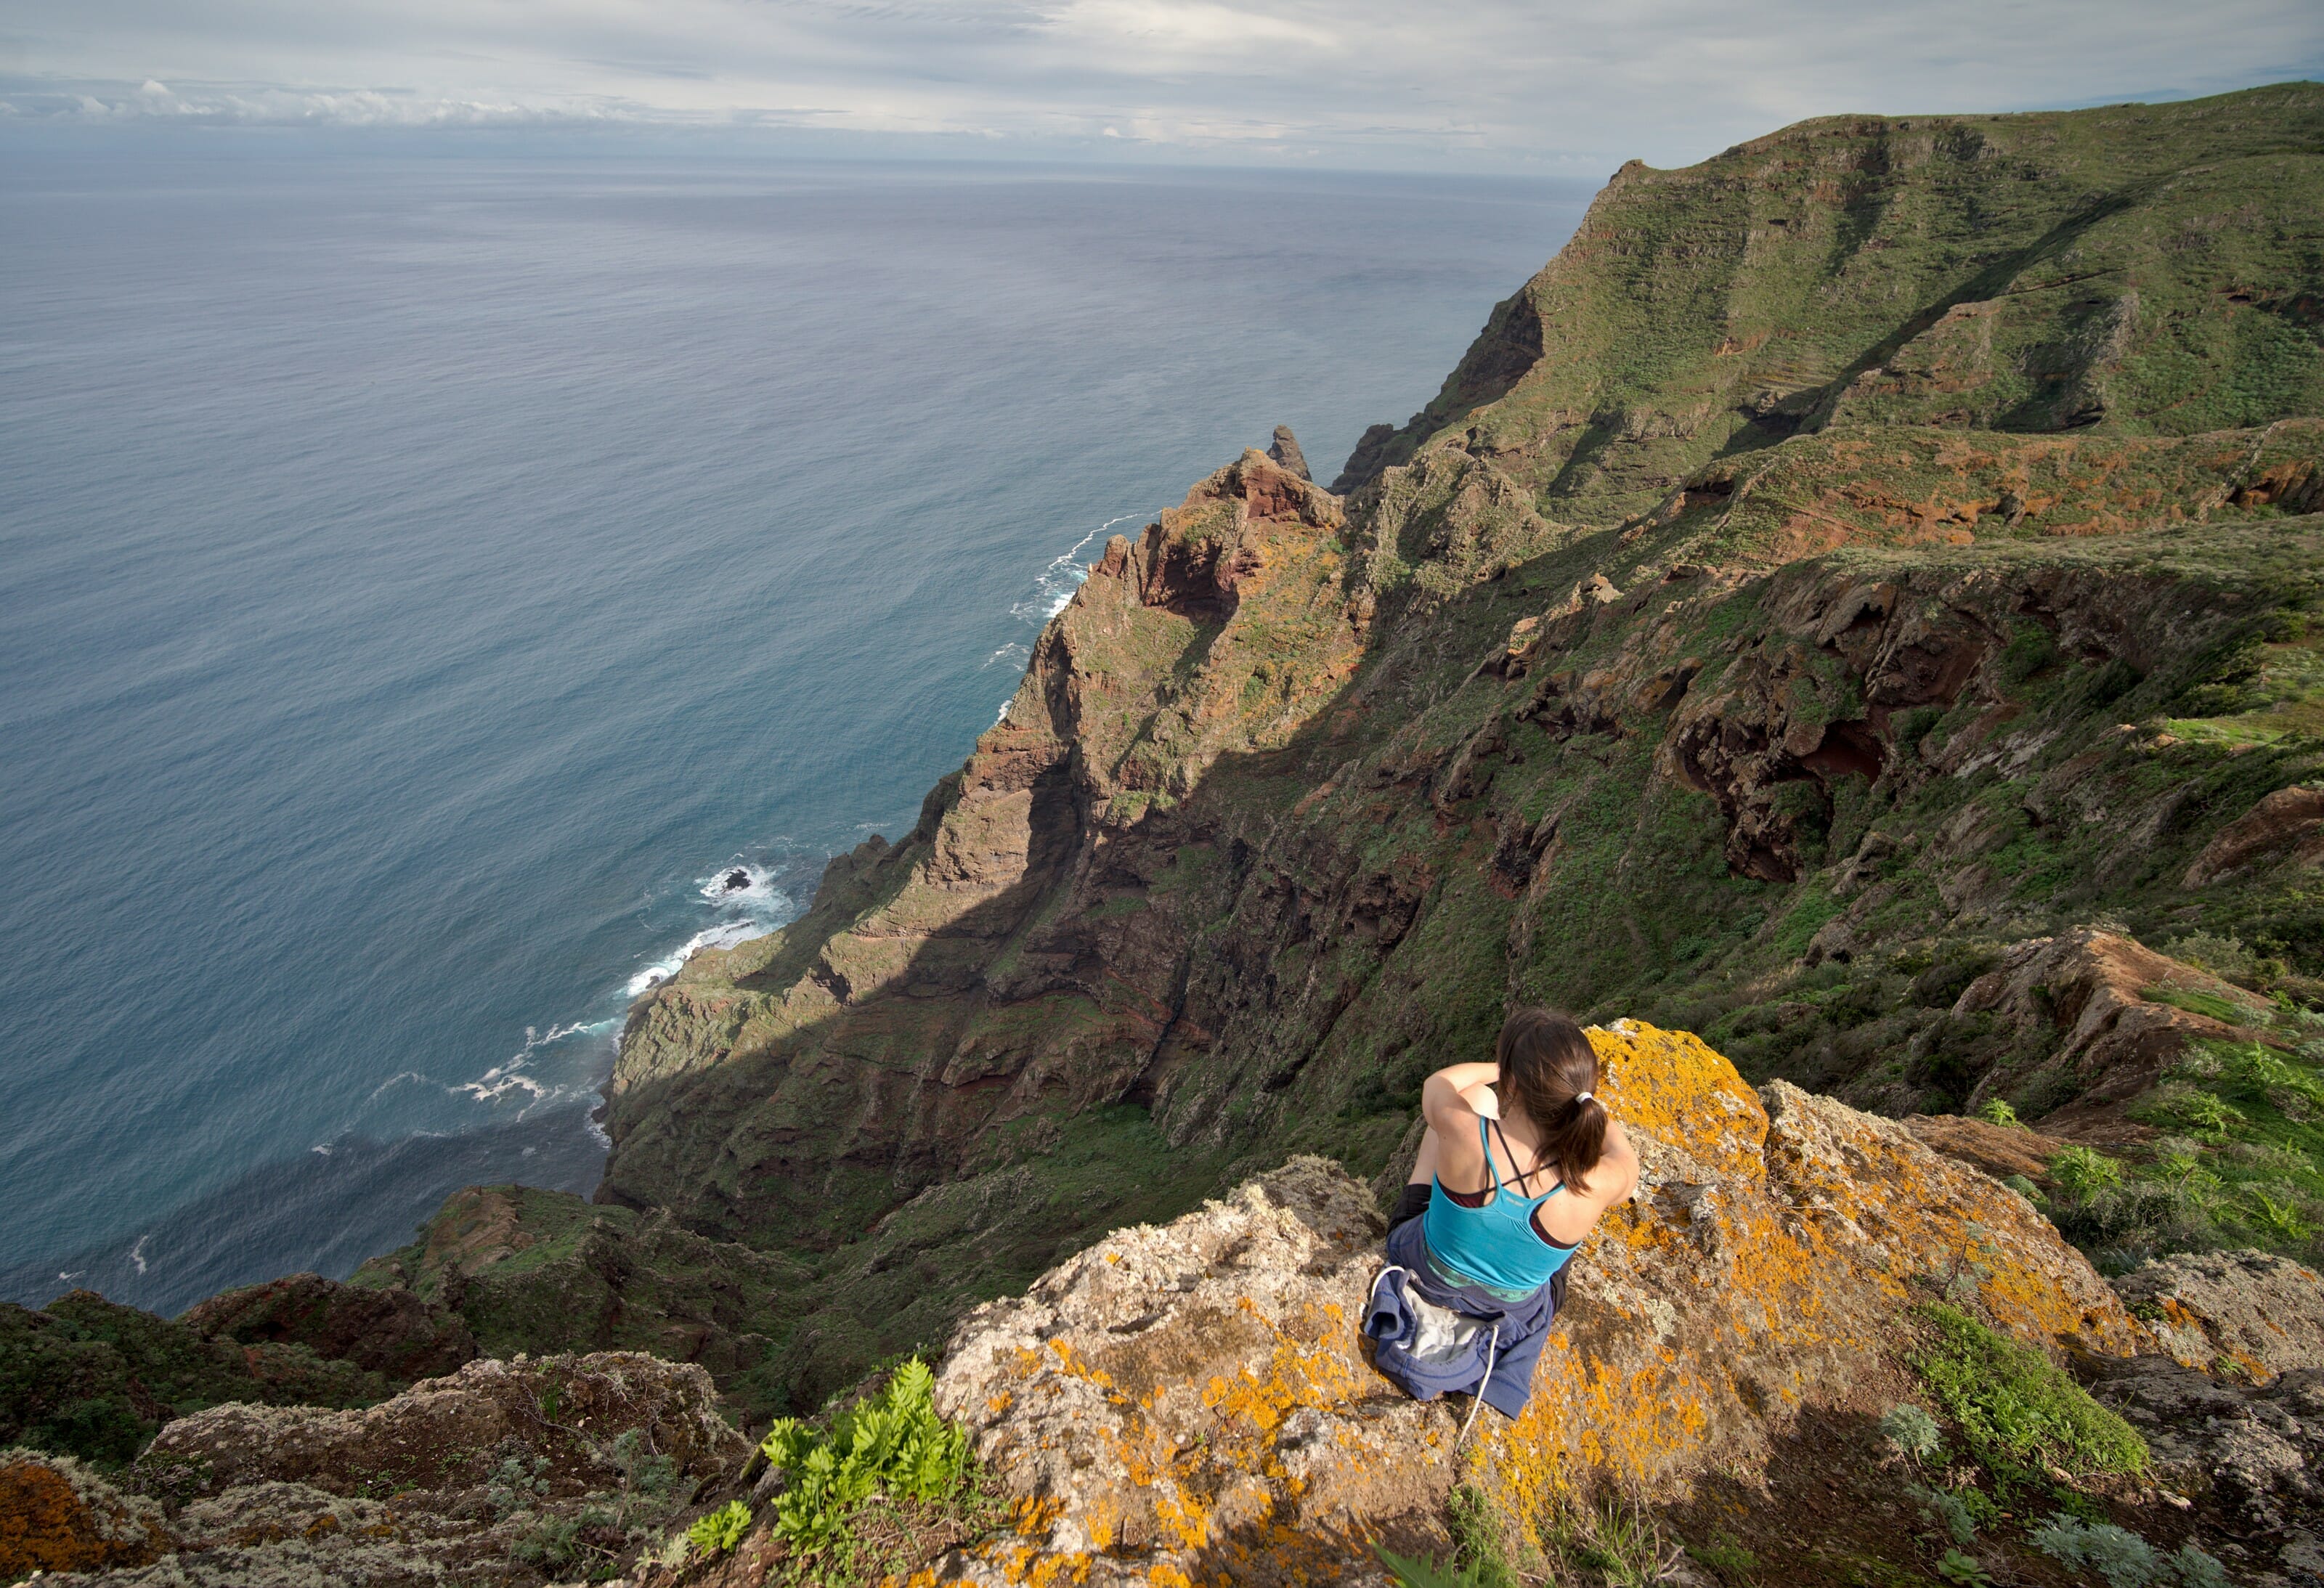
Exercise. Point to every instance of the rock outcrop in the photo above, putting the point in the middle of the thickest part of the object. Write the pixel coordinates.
(56, 1516)
(88, 1377)
(443, 1434)
(2249, 1314)
(525, 1270)
(507, 1472)
(1192, 1401)
(2096, 991)
(1283, 449)
(382, 1329)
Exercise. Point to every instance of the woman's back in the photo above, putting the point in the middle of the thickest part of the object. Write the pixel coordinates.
(1495, 1237)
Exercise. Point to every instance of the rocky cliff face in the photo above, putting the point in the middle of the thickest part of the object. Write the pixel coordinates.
(1869, 711)
(1972, 274)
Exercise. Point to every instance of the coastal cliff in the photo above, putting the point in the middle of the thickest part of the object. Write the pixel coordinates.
(1936, 601)
(1848, 628)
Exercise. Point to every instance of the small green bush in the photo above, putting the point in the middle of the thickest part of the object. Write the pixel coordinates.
(649, 1473)
(2197, 1569)
(1997, 1111)
(2016, 1412)
(2122, 1557)
(720, 1530)
(893, 1444)
(1961, 1513)
(514, 1485)
(1961, 1569)
(2225, 957)
(2078, 1171)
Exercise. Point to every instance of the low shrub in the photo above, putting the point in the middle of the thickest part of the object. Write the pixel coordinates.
(2015, 1412)
(1961, 1513)
(718, 1532)
(1963, 1571)
(892, 1444)
(1913, 1432)
(2078, 1171)
(2122, 1558)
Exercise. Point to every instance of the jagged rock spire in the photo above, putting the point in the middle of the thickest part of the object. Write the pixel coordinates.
(1285, 450)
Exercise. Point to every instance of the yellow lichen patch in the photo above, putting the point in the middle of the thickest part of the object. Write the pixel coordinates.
(1673, 1085)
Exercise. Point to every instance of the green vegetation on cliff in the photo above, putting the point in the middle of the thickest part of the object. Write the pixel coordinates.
(90, 1378)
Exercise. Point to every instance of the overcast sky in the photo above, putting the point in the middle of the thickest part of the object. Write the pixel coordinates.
(1548, 86)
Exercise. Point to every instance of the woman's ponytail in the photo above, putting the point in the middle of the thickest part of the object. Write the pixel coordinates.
(1548, 1066)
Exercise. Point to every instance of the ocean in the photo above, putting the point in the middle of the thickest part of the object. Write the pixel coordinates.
(437, 594)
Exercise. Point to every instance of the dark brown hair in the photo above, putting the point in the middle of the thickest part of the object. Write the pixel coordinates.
(1546, 1061)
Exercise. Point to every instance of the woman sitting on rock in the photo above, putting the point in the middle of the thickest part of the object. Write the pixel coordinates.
(1506, 1186)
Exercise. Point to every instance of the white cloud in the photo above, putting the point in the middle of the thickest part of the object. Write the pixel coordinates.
(1508, 84)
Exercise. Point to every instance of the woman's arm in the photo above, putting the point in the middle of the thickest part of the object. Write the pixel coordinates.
(1453, 1117)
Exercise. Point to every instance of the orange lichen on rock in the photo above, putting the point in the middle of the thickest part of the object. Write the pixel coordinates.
(56, 1516)
(1193, 1403)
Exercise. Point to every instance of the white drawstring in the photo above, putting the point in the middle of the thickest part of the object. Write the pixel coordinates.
(1491, 1346)
(1492, 1350)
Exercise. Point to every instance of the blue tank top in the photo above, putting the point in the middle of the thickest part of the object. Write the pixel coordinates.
(1495, 1245)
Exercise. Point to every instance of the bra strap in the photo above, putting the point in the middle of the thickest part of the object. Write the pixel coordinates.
(1524, 1181)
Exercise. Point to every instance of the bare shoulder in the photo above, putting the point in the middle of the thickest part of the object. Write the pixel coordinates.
(1621, 1161)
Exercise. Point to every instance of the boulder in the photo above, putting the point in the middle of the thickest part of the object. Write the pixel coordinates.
(1193, 1401)
(2090, 987)
(2287, 818)
(2252, 1315)
(2249, 1453)
(2000, 1151)
(1285, 450)
(451, 1433)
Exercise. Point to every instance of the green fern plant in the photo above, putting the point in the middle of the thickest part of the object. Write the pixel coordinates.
(893, 1444)
(720, 1530)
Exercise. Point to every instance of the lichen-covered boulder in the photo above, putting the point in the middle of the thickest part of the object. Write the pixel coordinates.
(58, 1516)
(511, 1473)
(1192, 1401)
(2256, 1313)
